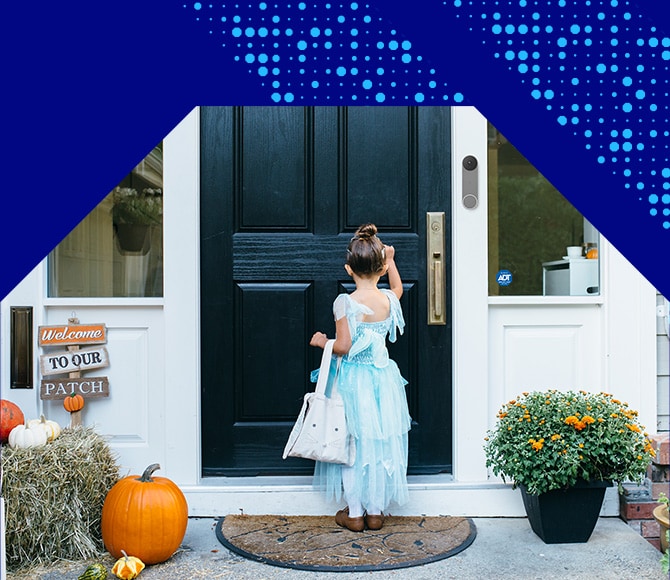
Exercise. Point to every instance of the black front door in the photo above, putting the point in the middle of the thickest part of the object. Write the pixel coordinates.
(282, 191)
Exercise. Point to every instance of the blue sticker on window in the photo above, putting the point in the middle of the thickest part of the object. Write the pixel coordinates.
(504, 277)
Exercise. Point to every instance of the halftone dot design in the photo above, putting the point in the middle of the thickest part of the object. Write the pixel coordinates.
(591, 64)
(571, 55)
(326, 52)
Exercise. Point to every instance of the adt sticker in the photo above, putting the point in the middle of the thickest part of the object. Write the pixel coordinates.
(504, 277)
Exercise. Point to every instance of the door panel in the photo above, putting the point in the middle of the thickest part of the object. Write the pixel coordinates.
(282, 191)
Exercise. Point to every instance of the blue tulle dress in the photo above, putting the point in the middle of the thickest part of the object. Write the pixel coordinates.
(375, 402)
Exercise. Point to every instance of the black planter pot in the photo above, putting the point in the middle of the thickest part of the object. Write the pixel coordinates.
(565, 516)
(133, 237)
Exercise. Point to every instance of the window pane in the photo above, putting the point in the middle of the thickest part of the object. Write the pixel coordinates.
(117, 250)
(531, 225)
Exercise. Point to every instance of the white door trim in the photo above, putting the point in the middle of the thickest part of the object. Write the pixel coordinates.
(181, 215)
(470, 300)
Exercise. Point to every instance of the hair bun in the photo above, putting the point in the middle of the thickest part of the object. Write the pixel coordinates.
(366, 231)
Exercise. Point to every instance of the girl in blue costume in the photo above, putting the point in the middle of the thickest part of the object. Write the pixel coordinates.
(371, 387)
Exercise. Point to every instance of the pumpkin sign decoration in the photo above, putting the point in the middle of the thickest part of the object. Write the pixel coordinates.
(127, 567)
(10, 416)
(74, 403)
(23, 436)
(145, 516)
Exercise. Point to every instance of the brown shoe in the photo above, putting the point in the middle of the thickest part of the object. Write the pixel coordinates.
(374, 521)
(354, 524)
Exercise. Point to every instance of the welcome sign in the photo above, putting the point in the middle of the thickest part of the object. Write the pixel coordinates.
(64, 356)
(72, 334)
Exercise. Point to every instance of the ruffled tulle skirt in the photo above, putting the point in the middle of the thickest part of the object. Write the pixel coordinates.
(375, 405)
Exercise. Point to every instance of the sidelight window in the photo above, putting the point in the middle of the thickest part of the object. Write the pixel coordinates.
(117, 250)
(539, 244)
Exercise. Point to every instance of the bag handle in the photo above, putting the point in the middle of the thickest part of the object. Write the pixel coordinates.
(324, 369)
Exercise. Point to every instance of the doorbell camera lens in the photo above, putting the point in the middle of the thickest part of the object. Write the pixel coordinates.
(470, 163)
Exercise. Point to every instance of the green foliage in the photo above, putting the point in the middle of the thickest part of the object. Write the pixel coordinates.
(550, 440)
(131, 207)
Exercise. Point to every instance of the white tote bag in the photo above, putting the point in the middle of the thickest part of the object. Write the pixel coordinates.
(320, 432)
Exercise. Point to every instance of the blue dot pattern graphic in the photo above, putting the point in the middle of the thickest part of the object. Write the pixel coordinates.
(597, 66)
(305, 53)
(604, 74)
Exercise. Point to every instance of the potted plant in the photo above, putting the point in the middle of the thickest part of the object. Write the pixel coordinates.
(562, 449)
(133, 213)
(661, 516)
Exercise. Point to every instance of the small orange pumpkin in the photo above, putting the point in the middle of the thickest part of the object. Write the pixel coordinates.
(127, 567)
(74, 402)
(145, 516)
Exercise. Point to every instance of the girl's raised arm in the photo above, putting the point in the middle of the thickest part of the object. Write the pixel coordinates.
(395, 281)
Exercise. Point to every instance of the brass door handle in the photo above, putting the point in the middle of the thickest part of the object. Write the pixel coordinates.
(435, 253)
(437, 297)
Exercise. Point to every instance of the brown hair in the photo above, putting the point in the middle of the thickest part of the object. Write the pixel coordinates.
(365, 254)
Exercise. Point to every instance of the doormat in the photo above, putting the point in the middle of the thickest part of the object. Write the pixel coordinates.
(318, 543)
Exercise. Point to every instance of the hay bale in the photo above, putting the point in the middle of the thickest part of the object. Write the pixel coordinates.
(53, 498)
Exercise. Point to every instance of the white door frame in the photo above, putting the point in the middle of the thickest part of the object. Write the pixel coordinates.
(208, 496)
(471, 490)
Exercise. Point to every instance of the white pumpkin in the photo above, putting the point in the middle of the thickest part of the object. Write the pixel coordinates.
(23, 436)
(52, 428)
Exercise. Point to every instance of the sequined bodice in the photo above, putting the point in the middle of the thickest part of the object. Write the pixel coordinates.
(368, 343)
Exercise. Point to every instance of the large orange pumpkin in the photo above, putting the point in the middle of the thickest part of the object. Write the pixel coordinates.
(144, 516)
(10, 416)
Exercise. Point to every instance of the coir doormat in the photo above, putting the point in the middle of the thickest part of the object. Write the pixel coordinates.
(318, 543)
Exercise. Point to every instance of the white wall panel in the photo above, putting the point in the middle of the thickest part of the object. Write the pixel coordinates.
(132, 417)
(538, 348)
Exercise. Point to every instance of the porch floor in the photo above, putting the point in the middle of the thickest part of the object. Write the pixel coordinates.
(504, 548)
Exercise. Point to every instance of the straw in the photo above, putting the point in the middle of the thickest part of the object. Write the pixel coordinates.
(53, 498)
